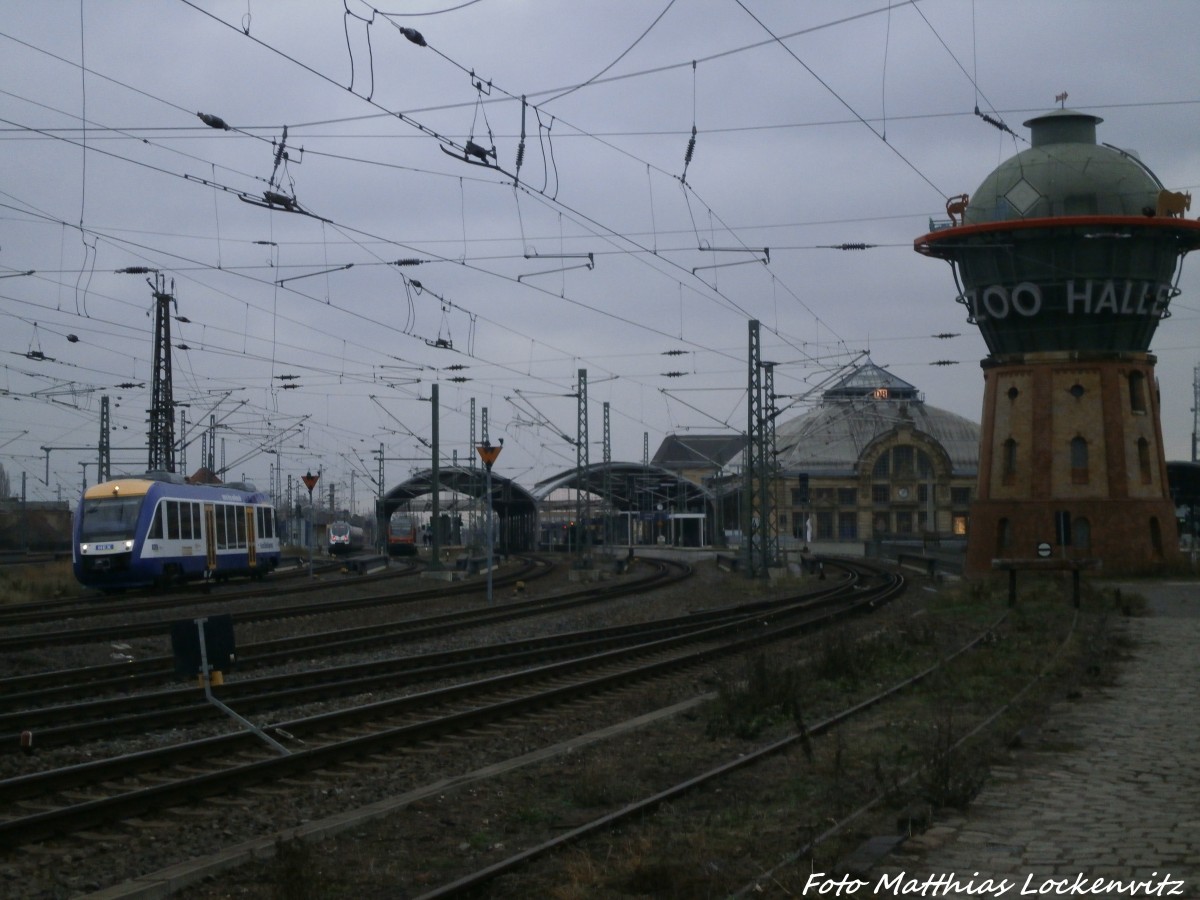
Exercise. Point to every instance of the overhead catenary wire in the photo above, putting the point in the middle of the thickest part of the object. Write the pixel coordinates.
(842, 100)
(827, 240)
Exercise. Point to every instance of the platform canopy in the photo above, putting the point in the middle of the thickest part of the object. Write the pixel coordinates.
(631, 486)
(509, 499)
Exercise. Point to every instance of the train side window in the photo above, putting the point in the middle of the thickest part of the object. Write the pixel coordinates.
(239, 518)
(172, 520)
(185, 520)
(220, 522)
(269, 515)
(197, 518)
(156, 527)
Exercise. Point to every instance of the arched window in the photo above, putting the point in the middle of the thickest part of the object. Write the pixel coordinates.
(882, 466)
(924, 464)
(1143, 454)
(1137, 392)
(1079, 460)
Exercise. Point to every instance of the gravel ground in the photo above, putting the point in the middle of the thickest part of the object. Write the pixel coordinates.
(449, 829)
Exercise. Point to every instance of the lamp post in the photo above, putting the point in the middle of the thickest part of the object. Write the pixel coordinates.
(488, 454)
(310, 482)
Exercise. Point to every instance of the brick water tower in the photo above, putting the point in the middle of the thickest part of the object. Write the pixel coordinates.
(1067, 258)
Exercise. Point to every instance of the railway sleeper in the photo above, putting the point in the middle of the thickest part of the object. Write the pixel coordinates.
(364, 765)
(200, 770)
(258, 790)
(239, 802)
(81, 796)
(193, 812)
(35, 806)
(150, 824)
(97, 837)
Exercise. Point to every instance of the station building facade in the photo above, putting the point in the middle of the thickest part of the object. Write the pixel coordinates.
(871, 462)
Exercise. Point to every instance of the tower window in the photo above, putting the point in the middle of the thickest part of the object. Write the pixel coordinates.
(1079, 460)
(1013, 393)
(1009, 471)
(1156, 539)
(1076, 390)
(1143, 453)
(1081, 533)
(1137, 392)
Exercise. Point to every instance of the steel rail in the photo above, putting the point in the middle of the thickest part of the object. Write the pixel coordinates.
(716, 641)
(127, 630)
(144, 713)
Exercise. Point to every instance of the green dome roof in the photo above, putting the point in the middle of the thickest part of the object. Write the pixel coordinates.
(1064, 173)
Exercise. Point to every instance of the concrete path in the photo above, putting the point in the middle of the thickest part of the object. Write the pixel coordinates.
(1114, 815)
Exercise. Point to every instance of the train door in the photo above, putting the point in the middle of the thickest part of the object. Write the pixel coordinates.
(251, 538)
(210, 537)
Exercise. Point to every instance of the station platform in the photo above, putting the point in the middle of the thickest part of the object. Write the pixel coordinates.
(1105, 803)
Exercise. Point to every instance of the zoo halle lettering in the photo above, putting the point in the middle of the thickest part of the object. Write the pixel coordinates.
(1090, 297)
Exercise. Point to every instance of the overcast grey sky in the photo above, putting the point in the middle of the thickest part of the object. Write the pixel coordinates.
(817, 124)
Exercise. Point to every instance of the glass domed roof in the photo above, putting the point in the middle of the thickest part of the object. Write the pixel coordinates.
(866, 404)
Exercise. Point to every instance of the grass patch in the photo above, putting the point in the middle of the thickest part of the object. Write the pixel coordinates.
(601, 781)
(296, 873)
(765, 693)
(39, 581)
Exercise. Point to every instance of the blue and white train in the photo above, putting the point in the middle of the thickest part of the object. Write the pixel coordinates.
(158, 530)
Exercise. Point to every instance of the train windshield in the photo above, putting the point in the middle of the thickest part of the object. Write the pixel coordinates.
(109, 518)
(339, 529)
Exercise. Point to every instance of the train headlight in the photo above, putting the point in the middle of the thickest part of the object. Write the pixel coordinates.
(129, 545)
(83, 548)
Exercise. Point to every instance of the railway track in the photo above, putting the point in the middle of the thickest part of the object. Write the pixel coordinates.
(54, 610)
(528, 569)
(42, 689)
(638, 809)
(85, 796)
(34, 711)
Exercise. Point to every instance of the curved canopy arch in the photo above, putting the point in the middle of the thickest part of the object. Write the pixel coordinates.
(508, 497)
(631, 486)
(513, 506)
